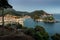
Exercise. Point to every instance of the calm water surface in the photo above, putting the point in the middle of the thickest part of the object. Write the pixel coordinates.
(51, 28)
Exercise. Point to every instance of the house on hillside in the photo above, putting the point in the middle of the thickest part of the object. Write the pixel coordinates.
(46, 15)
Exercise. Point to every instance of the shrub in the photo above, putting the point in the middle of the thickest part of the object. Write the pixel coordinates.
(38, 33)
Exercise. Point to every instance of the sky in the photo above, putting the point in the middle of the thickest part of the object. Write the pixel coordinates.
(50, 6)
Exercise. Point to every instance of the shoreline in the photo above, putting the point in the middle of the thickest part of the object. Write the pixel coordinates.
(53, 21)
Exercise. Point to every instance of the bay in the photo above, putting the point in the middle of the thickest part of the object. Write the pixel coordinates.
(51, 28)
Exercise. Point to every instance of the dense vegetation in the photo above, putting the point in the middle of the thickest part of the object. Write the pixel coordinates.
(37, 33)
(37, 14)
(20, 13)
(49, 18)
(56, 37)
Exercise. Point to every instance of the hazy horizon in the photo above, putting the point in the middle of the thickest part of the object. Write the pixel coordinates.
(50, 6)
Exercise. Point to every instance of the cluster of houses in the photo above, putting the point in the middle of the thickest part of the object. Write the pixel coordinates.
(44, 16)
(8, 18)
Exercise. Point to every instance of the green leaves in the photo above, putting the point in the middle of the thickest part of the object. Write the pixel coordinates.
(38, 33)
(5, 4)
(56, 37)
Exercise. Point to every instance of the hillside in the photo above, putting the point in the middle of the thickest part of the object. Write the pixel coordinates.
(21, 13)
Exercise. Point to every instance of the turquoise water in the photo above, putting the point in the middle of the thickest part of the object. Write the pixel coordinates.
(51, 28)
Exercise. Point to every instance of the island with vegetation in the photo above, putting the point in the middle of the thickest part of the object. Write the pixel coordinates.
(41, 15)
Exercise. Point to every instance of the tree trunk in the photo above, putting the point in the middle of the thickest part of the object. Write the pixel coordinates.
(3, 17)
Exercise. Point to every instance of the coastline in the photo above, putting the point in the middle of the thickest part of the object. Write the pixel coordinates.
(53, 21)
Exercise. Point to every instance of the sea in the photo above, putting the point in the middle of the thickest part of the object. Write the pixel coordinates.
(51, 28)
